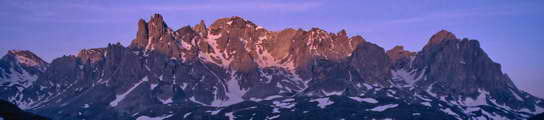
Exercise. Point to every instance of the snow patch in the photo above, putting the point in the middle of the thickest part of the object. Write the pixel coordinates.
(368, 100)
(259, 27)
(538, 109)
(429, 90)
(516, 95)
(23, 79)
(218, 57)
(284, 104)
(426, 104)
(214, 112)
(322, 102)
(167, 101)
(480, 100)
(450, 112)
(408, 77)
(153, 86)
(234, 93)
(186, 45)
(273, 97)
(493, 116)
(121, 97)
(86, 106)
(230, 115)
(186, 114)
(184, 85)
(154, 118)
(384, 107)
(367, 86)
(274, 117)
(331, 93)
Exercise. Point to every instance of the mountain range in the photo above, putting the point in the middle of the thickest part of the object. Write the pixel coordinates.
(235, 69)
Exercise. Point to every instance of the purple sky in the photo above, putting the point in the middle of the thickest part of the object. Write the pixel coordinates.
(509, 31)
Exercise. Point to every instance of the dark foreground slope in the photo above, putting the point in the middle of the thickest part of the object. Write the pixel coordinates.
(10, 111)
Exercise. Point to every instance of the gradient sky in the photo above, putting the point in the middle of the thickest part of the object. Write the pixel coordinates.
(510, 31)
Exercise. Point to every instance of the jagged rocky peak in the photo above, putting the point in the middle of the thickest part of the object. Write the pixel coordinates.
(460, 68)
(398, 52)
(236, 30)
(91, 55)
(441, 36)
(400, 58)
(19, 68)
(201, 28)
(332, 46)
(234, 39)
(25, 58)
(142, 35)
(155, 36)
(240, 41)
(342, 32)
(157, 25)
(371, 63)
(356, 40)
(150, 32)
(318, 35)
(233, 22)
(343, 38)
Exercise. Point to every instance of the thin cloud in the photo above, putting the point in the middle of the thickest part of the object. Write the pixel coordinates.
(177, 7)
(91, 12)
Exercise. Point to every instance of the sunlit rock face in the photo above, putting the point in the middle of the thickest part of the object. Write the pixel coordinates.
(235, 69)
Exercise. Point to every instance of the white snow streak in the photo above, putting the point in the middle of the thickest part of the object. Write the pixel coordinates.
(332, 93)
(368, 100)
(516, 95)
(121, 97)
(167, 101)
(384, 107)
(154, 118)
